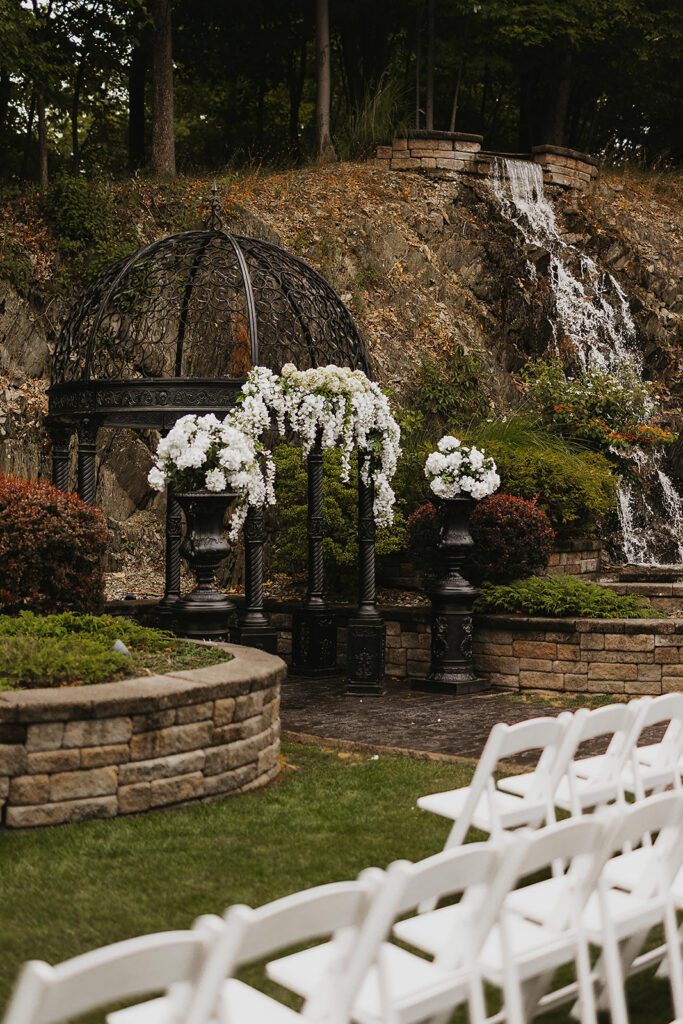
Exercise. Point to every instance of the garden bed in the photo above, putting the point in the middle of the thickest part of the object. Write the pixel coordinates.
(99, 751)
(71, 650)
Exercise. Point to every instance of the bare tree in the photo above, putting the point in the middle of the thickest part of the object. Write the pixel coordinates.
(429, 118)
(323, 75)
(163, 131)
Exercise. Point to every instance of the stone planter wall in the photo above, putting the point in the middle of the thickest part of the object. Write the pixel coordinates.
(438, 152)
(118, 748)
(665, 597)
(577, 558)
(629, 656)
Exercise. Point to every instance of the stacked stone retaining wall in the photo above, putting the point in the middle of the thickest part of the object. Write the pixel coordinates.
(627, 656)
(118, 748)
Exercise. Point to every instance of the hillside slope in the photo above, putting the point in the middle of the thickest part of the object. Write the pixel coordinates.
(424, 266)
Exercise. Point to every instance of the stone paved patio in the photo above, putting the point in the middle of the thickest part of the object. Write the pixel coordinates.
(426, 722)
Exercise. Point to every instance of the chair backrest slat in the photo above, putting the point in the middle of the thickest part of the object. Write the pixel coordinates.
(144, 965)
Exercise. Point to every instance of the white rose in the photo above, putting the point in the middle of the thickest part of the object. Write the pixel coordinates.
(215, 480)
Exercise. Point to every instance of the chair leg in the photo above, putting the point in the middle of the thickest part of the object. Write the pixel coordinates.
(615, 982)
(585, 981)
(673, 956)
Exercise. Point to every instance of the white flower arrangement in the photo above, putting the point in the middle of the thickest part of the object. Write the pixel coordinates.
(344, 406)
(455, 469)
(201, 453)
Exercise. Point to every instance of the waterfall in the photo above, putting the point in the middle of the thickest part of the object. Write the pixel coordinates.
(592, 313)
(592, 310)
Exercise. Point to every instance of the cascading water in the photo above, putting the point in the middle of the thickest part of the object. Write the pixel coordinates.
(592, 314)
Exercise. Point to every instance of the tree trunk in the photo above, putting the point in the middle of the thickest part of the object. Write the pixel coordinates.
(322, 108)
(429, 117)
(137, 74)
(26, 156)
(75, 107)
(42, 141)
(555, 129)
(418, 64)
(297, 80)
(5, 96)
(456, 95)
(163, 132)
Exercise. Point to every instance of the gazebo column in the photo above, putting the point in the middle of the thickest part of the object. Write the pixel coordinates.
(314, 630)
(367, 632)
(61, 450)
(174, 529)
(255, 627)
(87, 456)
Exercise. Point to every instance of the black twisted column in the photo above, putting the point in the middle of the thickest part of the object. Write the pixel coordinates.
(87, 461)
(367, 633)
(452, 668)
(174, 530)
(314, 630)
(61, 450)
(255, 627)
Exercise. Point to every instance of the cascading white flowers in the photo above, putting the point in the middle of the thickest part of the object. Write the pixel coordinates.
(343, 406)
(455, 469)
(201, 453)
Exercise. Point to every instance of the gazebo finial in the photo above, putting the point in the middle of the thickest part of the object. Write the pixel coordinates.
(214, 222)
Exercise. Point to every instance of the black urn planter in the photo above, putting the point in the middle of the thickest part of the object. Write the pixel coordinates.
(205, 613)
(452, 597)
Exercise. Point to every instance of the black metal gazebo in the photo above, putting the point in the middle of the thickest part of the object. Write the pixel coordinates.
(174, 329)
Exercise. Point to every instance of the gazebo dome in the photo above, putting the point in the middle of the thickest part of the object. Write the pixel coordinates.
(180, 322)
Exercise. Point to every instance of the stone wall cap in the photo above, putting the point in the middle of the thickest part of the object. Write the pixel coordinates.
(573, 154)
(579, 625)
(248, 669)
(423, 133)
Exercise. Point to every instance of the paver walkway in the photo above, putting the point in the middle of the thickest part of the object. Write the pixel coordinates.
(427, 722)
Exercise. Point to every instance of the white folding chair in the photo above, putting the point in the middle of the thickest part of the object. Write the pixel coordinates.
(247, 935)
(638, 891)
(521, 953)
(400, 987)
(655, 767)
(484, 804)
(589, 782)
(168, 961)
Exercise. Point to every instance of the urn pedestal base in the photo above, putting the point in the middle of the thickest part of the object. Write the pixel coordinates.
(365, 657)
(314, 643)
(260, 635)
(206, 616)
(452, 669)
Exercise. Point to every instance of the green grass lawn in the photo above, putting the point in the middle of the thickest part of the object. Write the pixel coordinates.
(68, 889)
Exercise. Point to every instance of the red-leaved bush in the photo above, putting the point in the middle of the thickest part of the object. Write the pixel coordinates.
(52, 549)
(513, 537)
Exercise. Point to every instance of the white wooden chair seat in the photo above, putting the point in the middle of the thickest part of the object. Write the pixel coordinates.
(240, 1004)
(408, 978)
(536, 902)
(431, 931)
(587, 790)
(511, 811)
(536, 949)
(627, 914)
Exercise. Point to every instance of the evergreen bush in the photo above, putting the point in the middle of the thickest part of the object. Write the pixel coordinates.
(558, 596)
(513, 537)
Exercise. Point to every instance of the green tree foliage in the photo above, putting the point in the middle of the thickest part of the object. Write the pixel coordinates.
(557, 596)
(603, 75)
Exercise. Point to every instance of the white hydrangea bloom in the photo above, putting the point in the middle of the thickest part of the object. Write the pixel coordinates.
(455, 469)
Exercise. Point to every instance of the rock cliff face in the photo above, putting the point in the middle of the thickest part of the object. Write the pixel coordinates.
(424, 265)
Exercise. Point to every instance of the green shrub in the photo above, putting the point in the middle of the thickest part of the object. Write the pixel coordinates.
(557, 596)
(450, 388)
(69, 650)
(576, 489)
(340, 515)
(92, 230)
(57, 662)
(608, 410)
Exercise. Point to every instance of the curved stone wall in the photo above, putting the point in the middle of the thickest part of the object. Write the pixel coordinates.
(117, 748)
(629, 656)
